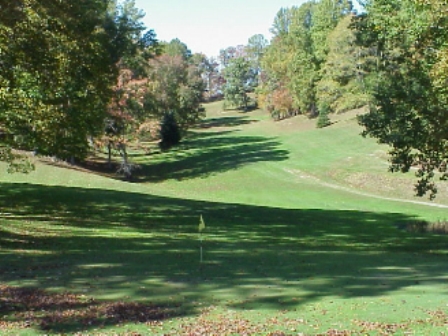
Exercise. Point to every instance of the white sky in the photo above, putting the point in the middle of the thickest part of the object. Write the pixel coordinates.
(208, 26)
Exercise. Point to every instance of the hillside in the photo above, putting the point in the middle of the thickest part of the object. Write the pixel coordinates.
(228, 155)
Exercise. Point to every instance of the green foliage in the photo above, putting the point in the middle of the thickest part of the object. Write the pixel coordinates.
(282, 22)
(323, 120)
(255, 49)
(177, 48)
(240, 79)
(169, 131)
(174, 85)
(302, 70)
(326, 15)
(409, 108)
(256, 46)
(342, 85)
(16, 163)
(298, 51)
(59, 62)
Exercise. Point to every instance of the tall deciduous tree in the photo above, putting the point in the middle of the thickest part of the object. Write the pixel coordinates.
(58, 65)
(292, 63)
(256, 46)
(208, 69)
(175, 86)
(240, 79)
(303, 70)
(342, 84)
(282, 22)
(225, 55)
(409, 111)
(56, 72)
(326, 15)
(177, 48)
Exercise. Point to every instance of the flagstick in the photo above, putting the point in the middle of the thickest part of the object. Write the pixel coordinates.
(201, 227)
(200, 235)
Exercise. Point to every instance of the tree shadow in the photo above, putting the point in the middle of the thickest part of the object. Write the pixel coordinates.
(109, 243)
(196, 156)
(69, 313)
(225, 122)
(203, 156)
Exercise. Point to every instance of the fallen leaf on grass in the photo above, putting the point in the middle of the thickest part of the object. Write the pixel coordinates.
(26, 307)
(381, 327)
(232, 323)
(336, 332)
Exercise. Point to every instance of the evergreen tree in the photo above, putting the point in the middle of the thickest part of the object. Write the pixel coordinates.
(323, 120)
(169, 131)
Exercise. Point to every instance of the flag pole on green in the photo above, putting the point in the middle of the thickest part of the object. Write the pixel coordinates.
(201, 228)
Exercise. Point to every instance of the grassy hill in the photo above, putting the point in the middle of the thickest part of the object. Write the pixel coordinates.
(305, 233)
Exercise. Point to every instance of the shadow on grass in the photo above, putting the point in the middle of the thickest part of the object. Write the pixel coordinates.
(202, 156)
(67, 312)
(225, 122)
(142, 248)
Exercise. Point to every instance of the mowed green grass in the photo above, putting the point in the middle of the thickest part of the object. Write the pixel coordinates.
(305, 233)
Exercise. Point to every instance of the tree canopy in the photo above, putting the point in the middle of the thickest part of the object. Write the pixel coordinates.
(409, 110)
(59, 62)
(240, 79)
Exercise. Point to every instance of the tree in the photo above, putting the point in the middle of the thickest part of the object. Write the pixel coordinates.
(302, 70)
(282, 21)
(256, 46)
(55, 73)
(292, 63)
(177, 48)
(410, 96)
(281, 104)
(209, 72)
(274, 93)
(174, 86)
(59, 62)
(225, 55)
(240, 78)
(341, 86)
(323, 119)
(169, 131)
(326, 15)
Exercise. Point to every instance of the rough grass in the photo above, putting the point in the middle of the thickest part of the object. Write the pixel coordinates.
(288, 248)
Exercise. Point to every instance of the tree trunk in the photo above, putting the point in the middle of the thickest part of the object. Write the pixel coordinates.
(109, 154)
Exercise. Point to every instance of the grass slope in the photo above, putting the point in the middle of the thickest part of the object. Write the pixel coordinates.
(304, 235)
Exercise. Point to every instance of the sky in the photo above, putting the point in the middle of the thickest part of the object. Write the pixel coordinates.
(209, 26)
